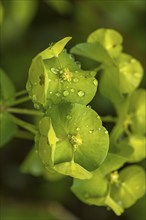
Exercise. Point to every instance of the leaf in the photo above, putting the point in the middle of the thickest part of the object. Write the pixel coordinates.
(59, 80)
(7, 89)
(131, 188)
(130, 72)
(110, 39)
(137, 111)
(109, 84)
(73, 169)
(7, 129)
(83, 132)
(63, 7)
(94, 51)
(19, 15)
(55, 50)
(112, 162)
(139, 148)
(32, 164)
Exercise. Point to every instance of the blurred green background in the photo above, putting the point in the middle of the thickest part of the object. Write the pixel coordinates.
(28, 27)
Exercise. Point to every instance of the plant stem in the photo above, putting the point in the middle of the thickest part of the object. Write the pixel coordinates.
(24, 135)
(24, 124)
(21, 100)
(24, 111)
(23, 92)
(108, 119)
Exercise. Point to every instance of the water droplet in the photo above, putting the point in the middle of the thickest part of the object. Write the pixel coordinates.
(75, 79)
(50, 92)
(98, 117)
(66, 93)
(72, 90)
(88, 106)
(68, 117)
(58, 94)
(81, 93)
(54, 70)
(106, 132)
(91, 131)
(95, 82)
(77, 129)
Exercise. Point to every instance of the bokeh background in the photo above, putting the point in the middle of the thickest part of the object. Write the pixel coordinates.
(28, 27)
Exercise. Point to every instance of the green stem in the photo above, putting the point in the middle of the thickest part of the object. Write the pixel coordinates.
(24, 111)
(23, 92)
(21, 100)
(108, 119)
(24, 124)
(24, 135)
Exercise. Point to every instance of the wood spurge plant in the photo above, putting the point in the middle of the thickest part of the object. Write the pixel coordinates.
(70, 139)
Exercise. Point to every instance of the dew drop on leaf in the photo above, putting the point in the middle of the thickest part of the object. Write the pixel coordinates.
(58, 94)
(54, 70)
(91, 131)
(72, 90)
(95, 82)
(106, 132)
(66, 93)
(77, 129)
(68, 117)
(75, 79)
(81, 93)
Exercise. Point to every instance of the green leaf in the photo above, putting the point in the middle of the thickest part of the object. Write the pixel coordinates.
(73, 169)
(94, 51)
(18, 15)
(74, 133)
(55, 50)
(32, 164)
(84, 133)
(137, 111)
(130, 73)
(59, 80)
(131, 187)
(110, 39)
(7, 129)
(139, 148)
(7, 89)
(110, 80)
(63, 7)
(95, 190)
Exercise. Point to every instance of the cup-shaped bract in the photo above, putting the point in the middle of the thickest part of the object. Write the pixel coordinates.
(137, 111)
(95, 191)
(138, 144)
(131, 186)
(57, 79)
(110, 39)
(72, 140)
(130, 73)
